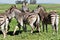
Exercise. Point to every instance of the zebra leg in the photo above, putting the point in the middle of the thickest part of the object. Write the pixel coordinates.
(46, 28)
(43, 26)
(19, 27)
(57, 22)
(24, 27)
(3, 30)
(56, 29)
(32, 26)
(7, 23)
(53, 23)
(38, 23)
(53, 27)
(38, 28)
(15, 29)
(32, 20)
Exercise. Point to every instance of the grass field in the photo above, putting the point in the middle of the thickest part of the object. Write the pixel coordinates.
(27, 35)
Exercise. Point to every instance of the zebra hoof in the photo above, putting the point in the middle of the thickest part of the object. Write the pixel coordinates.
(31, 32)
(13, 33)
(4, 35)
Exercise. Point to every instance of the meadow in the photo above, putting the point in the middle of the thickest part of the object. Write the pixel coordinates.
(21, 35)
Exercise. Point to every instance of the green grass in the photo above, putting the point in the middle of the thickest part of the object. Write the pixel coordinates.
(27, 35)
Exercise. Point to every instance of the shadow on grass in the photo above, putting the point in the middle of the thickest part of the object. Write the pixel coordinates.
(1, 32)
(17, 32)
(36, 32)
(33, 31)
